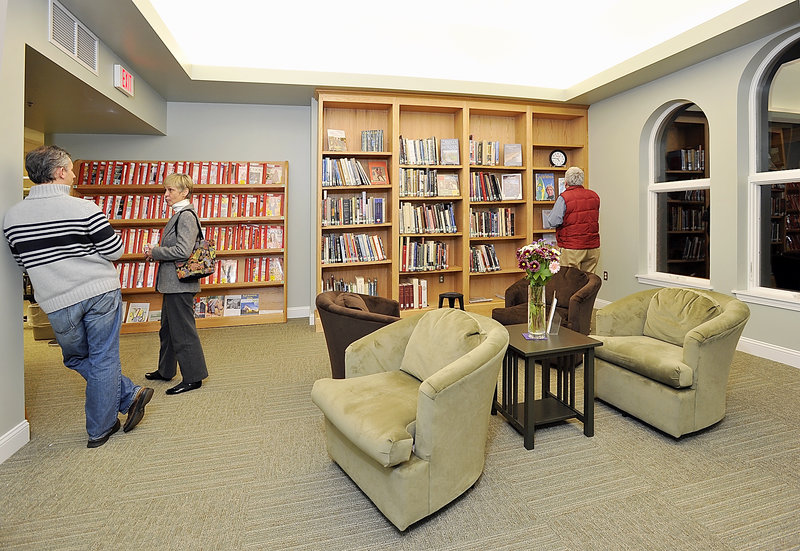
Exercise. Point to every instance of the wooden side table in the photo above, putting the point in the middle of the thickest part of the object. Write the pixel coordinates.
(526, 415)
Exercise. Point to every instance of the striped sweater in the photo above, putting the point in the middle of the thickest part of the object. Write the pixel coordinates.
(65, 244)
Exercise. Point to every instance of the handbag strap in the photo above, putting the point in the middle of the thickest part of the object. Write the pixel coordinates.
(200, 235)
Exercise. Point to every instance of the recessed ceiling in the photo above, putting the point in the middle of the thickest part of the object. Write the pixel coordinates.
(533, 43)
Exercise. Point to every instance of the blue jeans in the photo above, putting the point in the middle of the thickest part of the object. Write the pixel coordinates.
(88, 333)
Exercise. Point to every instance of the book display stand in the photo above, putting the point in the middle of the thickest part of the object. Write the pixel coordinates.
(242, 206)
(453, 211)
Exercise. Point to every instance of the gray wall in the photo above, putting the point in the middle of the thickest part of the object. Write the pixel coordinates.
(226, 132)
(619, 128)
(26, 23)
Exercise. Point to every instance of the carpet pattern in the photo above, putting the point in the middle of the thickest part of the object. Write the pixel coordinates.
(241, 464)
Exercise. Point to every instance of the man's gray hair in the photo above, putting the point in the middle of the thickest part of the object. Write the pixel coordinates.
(42, 162)
(574, 176)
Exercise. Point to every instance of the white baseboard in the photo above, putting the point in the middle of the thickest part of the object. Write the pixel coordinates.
(14, 439)
(751, 346)
(297, 312)
(769, 351)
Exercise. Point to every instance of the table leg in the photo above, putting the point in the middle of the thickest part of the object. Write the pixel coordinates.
(529, 425)
(588, 392)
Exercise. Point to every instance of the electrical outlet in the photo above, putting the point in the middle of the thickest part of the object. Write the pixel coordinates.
(441, 278)
(605, 276)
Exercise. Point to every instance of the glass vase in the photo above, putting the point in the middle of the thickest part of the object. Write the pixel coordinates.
(537, 319)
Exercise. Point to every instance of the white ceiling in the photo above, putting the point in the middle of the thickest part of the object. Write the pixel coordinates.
(517, 42)
(522, 39)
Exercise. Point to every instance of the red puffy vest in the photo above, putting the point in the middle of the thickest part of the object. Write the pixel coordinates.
(580, 228)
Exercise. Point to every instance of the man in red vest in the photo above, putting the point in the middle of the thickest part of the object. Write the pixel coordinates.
(575, 216)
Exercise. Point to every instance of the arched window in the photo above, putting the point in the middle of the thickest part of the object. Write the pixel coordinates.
(775, 178)
(679, 196)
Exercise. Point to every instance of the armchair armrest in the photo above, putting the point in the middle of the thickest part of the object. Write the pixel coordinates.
(381, 305)
(625, 316)
(381, 350)
(581, 304)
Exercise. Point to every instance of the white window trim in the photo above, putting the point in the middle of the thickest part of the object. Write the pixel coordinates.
(755, 293)
(653, 276)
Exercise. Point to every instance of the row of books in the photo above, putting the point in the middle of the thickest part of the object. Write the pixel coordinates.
(429, 151)
(483, 258)
(208, 205)
(141, 275)
(487, 186)
(359, 284)
(253, 269)
(694, 248)
(487, 153)
(225, 238)
(688, 219)
(687, 159)
(138, 173)
(215, 306)
(372, 140)
(427, 182)
(413, 293)
(337, 211)
(427, 218)
(696, 195)
(422, 255)
(349, 247)
(352, 172)
(491, 223)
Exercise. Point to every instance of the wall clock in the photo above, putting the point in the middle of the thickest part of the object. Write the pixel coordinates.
(558, 158)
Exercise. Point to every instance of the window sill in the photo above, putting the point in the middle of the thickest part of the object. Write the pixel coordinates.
(787, 300)
(671, 280)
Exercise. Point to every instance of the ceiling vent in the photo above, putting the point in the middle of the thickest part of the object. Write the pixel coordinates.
(72, 36)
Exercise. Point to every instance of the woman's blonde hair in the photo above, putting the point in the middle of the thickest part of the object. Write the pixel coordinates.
(180, 182)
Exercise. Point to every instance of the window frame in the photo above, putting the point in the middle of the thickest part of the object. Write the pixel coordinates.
(653, 276)
(755, 292)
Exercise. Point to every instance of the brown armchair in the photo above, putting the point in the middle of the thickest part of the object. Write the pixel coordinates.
(346, 317)
(575, 290)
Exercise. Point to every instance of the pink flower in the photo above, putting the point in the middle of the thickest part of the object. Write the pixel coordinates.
(554, 267)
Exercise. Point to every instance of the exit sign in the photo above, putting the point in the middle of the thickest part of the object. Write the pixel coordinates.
(123, 80)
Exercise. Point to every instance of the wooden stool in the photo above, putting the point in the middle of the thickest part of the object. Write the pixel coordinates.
(451, 299)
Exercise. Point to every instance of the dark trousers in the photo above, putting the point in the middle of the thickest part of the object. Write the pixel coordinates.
(180, 344)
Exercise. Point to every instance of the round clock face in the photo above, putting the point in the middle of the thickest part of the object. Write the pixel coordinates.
(558, 158)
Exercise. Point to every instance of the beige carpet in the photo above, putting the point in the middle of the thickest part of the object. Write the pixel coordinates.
(241, 464)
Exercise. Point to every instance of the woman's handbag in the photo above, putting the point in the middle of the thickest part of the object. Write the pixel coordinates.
(202, 262)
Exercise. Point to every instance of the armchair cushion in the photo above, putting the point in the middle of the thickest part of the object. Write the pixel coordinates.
(427, 352)
(652, 358)
(352, 301)
(673, 312)
(374, 412)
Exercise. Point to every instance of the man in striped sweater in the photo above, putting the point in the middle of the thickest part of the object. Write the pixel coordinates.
(67, 246)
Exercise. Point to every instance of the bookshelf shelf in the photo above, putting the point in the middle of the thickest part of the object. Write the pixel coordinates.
(137, 212)
(483, 129)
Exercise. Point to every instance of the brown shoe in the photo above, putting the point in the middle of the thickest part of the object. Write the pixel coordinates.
(103, 439)
(136, 410)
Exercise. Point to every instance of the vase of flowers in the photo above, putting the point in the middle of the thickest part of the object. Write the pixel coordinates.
(540, 260)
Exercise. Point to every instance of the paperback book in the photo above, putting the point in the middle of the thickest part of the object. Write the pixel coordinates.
(449, 147)
(512, 186)
(512, 154)
(138, 312)
(249, 305)
(337, 141)
(545, 186)
(233, 305)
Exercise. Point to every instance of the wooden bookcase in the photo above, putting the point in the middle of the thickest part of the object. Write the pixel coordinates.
(537, 127)
(259, 190)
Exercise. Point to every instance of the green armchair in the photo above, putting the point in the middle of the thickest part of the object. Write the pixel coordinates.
(666, 356)
(409, 422)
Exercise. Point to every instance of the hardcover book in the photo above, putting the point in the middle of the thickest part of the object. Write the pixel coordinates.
(512, 154)
(512, 186)
(449, 154)
(336, 140)
(249, 305)
(215, 306)
(447, 184)
(138, 312)
(255, 174)
(378, 172)
(545, 186)
(233, 305)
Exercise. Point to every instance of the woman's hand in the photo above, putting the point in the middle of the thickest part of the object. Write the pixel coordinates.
(147, 256)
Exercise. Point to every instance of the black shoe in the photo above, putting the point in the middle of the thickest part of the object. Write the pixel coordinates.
(156, 376)
(184, 387)
(103, 439)
(136, 410)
